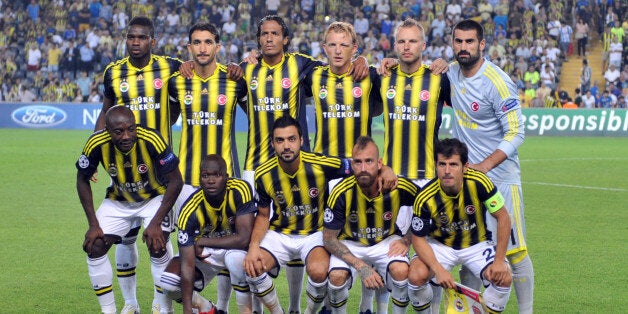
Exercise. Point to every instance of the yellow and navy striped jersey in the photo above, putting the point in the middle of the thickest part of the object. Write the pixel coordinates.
(143, 90)
(136, 175)
(208, 110)
(201, 217)
(457, 221)
(344, 109)
(274, 91)
(413, 104)
(298, 200)
(363, 219)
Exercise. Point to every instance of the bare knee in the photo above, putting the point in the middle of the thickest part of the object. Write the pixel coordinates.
(317, 264)
(100, 247)
(338, 277)
(398, 270)
(418, 274)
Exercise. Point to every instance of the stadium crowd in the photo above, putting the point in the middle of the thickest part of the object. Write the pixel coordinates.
(56, 50)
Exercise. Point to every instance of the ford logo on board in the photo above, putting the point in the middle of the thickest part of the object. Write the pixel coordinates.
(38, 116)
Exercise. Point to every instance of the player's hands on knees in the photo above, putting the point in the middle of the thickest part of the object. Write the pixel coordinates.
(186, 69)
(360, 69)
(445, 279)
(398, 248)
(93, 233)
(253, 265)
(234, 72)
(385, 65)
(439, 66)
(154, 238)
(498, 273)
(370, 278)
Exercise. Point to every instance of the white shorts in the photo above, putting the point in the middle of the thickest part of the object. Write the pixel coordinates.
(287, 247)
(186, 191)
(117, 218)
(514, 204)
(475, 258)
(249, 176)
(218, 260)
(374, 255)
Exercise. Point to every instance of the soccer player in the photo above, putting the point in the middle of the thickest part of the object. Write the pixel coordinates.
(413, 99)
(139, 82)
(451, 209)
(361, 231)
(296, 183)
(488, 119)
(217, 219)
(344, 107)
(207, 103)
(145, 182)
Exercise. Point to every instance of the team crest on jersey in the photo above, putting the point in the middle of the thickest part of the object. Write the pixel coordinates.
(182, 237)
(328, 216)
(322, 94)
(280, 198)
(443, 218)
(188, 99)
(417, 224)
(424, 95)
(124, 86)
(142, 168)
(222, 99)
(253, 85)
(387, 216)
(475, 106)
(286, 82)
(113, 171)
(353, 217)
(83, 162)
(357, 92)
(313, 192)
(469, 209)
(158, 83)
(390, 93)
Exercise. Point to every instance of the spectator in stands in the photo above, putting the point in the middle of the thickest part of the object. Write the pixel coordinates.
(84, 17)
(54, 58)
(588, 101)
(614, 90)
(438, 26)
(26, 94)
(86, 57)
(582, 35)
(565, 38)
(486, 11)
(541, 95)
(361, 24)
(606, 101)
(548, 76)
(453, 12)
(84, 82)
(33, 11)
(553, 28)
(616, 49)
(94, 10)
(612, 75)
(585, 76)
(272, 6)
(532, 76)
(120, 19)
(34, 57)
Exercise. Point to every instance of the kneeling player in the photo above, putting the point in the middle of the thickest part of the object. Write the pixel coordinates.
(215, 224)
(452, 210)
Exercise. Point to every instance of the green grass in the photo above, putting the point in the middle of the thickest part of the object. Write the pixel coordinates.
(575, 192)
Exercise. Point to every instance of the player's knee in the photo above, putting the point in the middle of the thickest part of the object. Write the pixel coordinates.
(398, 270)
(418, 274)
(99, 248)
(317, 274)
(174, 266)
(338, 277)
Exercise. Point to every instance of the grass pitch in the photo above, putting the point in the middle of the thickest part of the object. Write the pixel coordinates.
(575, 195)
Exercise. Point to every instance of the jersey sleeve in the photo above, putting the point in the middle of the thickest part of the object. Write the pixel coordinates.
(507, 107)
(342, 171)
(108, 88)
(244, 197)
(167, 161)
(307, 64)
(445, 90)
(262, 198)
(191, 230)
(87, 163)
(421, 221)
(375, 97)
(335, 214)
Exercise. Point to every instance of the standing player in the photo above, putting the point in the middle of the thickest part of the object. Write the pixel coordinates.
(139, 83)
(207, 103)
(296, 183)
(145, 182)
(452, 210)
(361, 231)
(344, 107)
(488, 119)
(217, 218)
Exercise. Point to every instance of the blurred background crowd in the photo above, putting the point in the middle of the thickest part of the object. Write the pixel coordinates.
(56, 50)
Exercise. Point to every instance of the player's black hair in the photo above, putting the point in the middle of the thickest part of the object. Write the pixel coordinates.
(286, 121)
(284, 29)
(467, 25)
(217, 159)
(452, 146)
(204, 26)
(143, 21)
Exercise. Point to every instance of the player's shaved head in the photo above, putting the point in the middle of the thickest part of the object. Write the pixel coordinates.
(214, 158)
(118, 113)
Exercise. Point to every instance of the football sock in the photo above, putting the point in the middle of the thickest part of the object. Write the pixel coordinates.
(101, 276)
